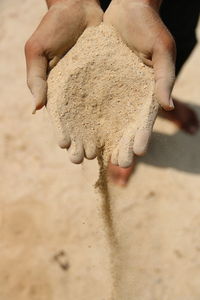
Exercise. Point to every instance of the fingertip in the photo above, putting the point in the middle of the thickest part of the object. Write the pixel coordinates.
(163, 97)
(140, 150)
(126, 163)
(33, 107)
(90, 150)
(76, 152)
(64, 142)
(167, 105)
(171, 103)
(141, 142)
(34, 111)
(125, 159)
(114, 156)
(38, 89)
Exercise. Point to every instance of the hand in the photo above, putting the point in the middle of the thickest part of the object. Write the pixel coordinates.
(140, 26)
(58, 31)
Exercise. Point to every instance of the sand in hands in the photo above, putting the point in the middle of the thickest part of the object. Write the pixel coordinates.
(100, 99)
(99, 94)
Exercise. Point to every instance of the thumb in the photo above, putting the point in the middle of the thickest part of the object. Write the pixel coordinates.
(164, 68)
(36, 73)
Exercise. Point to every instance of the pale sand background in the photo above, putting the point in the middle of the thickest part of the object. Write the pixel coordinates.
(48, 205)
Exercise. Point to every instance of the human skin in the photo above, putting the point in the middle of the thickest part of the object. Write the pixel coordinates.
(139, 25)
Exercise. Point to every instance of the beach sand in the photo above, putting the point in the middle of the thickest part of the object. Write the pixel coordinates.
(53, 243)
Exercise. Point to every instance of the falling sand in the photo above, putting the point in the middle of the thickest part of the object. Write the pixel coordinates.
(99, 94)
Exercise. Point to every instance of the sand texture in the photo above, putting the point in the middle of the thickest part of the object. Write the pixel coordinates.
(52, 237)
(99, 94)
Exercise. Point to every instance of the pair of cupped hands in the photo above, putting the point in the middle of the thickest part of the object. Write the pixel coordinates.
(138, 23)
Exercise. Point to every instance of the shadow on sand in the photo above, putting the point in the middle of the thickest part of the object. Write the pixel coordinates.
(179, 151)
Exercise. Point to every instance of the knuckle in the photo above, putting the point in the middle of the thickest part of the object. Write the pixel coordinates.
(170, 44)
(32, 48)
(166, 44)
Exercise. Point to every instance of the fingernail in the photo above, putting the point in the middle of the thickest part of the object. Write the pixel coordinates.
(171, 103)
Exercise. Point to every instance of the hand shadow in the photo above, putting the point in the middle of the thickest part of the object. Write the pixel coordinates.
(179, 151)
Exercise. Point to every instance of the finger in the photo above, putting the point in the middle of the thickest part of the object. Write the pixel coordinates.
(143, 133)
(76, 152)
(126, 154)
(164, 67)
(63, 137)
(36, 73)
(90, 150)
(61, 131)
(60, 126)
(141, 141)
(64, 141)
(125, 157)
(114, 156)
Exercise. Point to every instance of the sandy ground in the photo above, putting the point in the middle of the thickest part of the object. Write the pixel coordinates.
(52, 239)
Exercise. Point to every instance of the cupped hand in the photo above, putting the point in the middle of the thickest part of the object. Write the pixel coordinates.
(141, 28)
(58, 31)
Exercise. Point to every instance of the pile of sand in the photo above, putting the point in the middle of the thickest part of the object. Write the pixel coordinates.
(98, 95)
